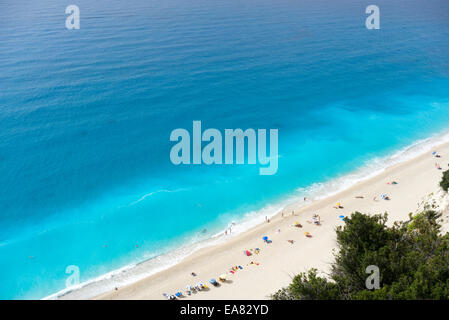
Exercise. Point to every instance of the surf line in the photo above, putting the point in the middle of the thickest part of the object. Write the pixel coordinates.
(234, 140)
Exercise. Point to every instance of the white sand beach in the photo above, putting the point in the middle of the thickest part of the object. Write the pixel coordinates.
(417, 183)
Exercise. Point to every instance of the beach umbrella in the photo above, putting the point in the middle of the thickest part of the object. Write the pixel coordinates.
(341, 217)
(434, 153)
(265, 238)
(223, 276)
(212, 281)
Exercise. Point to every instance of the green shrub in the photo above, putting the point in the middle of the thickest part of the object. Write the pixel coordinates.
(412, 257)
(445, 181)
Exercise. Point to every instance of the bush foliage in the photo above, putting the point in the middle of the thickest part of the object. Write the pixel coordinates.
(412, 256)
(445, 181)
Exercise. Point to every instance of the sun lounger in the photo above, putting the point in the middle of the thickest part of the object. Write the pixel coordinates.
(222, 278)
(214, 282)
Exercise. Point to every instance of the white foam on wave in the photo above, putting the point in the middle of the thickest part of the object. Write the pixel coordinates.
(151, 194)
(317, 191)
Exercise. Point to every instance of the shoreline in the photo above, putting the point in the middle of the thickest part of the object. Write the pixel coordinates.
(155, 282)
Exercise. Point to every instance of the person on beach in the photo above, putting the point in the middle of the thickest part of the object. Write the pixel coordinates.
(316, 220)
(338, 206)
(385, 197)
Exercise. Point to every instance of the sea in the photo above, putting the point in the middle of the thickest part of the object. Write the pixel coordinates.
(89, 198)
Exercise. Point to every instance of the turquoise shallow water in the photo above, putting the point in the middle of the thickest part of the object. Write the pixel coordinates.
(86, 116)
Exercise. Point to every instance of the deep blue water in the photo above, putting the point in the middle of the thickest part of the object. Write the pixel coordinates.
(86, 115)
